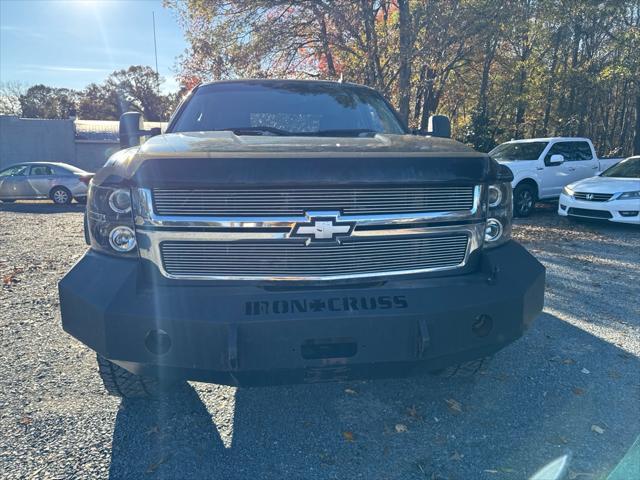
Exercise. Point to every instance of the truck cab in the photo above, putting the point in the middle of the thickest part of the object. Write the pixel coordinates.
(543, 166)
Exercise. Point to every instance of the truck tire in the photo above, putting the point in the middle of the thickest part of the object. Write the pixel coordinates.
(122, 383)
(462, 370)
(524, 200)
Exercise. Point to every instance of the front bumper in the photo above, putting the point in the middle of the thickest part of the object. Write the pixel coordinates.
(260, 334)
(569, 206)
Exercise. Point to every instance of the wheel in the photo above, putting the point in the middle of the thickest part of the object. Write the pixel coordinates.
(7, 201)
(122, 383)
(60, 196)
(463, 370)
(81, 200)
(524, 200)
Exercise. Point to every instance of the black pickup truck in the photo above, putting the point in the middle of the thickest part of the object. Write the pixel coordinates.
(286, 231)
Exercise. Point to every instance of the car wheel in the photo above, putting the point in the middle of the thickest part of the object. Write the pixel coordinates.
(122, 383)
(524, 200)
(7, 201)
(462, 370)
(81, 200)
(61, 196)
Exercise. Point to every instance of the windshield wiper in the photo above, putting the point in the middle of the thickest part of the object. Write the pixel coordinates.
(265, 130)
(341, 132)
(255, 131)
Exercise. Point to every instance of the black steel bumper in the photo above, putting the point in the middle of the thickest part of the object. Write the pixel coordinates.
(254, 334)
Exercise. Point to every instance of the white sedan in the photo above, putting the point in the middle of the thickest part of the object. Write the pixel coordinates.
(613, 195)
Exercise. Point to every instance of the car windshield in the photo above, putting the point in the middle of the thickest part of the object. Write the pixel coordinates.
(629, 168)
(518, 151)
(287, 108)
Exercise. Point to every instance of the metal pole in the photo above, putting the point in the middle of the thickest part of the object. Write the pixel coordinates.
(155, 45)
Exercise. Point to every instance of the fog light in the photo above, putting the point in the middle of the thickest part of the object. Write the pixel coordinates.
(493, 230)
(629, 213)
(563, 207)
(122, 239)
(120, 201)
(157, 342)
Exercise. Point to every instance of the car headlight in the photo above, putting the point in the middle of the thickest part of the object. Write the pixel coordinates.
(110, 220)
(629, 195)
(567, 191)
(499, 209)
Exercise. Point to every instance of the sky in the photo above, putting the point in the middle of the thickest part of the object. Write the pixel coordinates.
(71, 43)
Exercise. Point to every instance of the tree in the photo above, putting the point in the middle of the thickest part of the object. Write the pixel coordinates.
(41, 101)
(138, 88)
(99, 102)
(10, 93)
(499, 69)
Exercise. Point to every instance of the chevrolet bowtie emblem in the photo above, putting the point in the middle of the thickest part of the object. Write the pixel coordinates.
(322, 229)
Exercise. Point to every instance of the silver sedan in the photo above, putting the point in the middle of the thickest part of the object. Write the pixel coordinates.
(37, 180)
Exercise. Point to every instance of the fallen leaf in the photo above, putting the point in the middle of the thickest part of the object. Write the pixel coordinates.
(154, 466)
(578, 391)
(614, 374)
(26, 420)
(154, 429)
(454, 405)
(585, 371)
(350, 391)
(401, 428)
(599, 430)
(456, 456)
(348, 436)
(413, 412)
(568, 361)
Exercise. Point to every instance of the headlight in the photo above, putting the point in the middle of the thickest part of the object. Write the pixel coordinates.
(629, 195)
(110, 220)
(499, 210)
(567, 191)
(495, 195)
(120, 201)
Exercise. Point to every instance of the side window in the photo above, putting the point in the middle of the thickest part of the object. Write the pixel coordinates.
(583, 151)
(566, 149)
(41, 170)
(17, 170)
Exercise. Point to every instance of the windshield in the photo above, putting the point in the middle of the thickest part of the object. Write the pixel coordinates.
(629, 168)
(287, 108)
(518, 151)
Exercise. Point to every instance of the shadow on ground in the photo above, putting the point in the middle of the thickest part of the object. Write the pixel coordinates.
(533, 404)
(41, 207)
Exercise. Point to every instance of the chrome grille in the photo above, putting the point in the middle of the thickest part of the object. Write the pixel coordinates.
(593, 197)
(287, 259)
(297, 201)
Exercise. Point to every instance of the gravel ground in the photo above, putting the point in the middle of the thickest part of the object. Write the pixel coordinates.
(572, 384)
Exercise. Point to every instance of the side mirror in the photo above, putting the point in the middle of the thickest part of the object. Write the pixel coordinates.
(131, 129)
(440, 126)
(556, 159)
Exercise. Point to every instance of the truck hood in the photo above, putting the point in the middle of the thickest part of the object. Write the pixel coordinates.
(606, 185)
(223, 158)
(214, 144)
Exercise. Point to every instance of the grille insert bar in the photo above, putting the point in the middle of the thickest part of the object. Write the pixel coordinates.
(281, 259)
(593, 197)
(350, 201)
